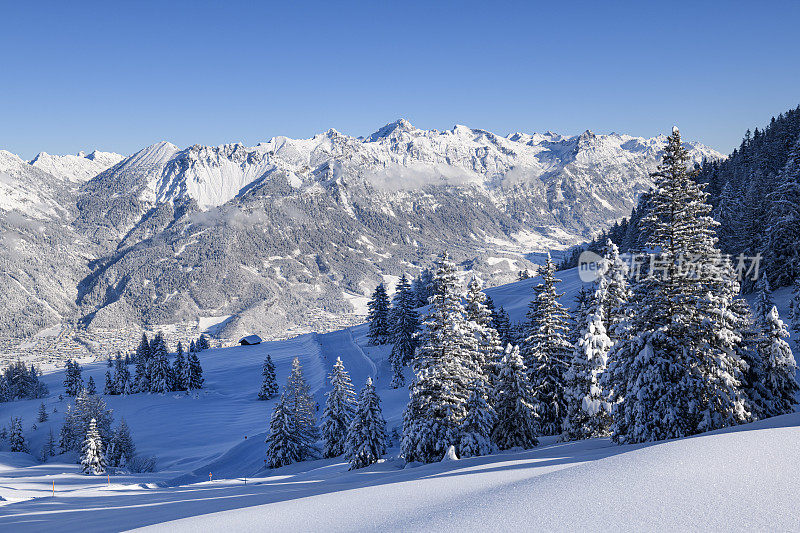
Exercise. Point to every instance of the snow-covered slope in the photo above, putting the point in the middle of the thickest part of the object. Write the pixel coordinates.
(76, 168)
(738, 479)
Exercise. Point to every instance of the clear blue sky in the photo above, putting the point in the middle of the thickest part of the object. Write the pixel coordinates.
(120, 76)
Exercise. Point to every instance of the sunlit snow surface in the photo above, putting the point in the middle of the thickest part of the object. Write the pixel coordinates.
(739, 479)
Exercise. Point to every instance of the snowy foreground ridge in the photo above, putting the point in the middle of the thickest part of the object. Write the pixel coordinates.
(742, 478)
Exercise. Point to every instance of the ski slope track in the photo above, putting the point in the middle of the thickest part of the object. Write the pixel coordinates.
(738, 479)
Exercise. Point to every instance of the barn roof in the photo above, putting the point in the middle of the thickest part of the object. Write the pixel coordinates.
(250, 339)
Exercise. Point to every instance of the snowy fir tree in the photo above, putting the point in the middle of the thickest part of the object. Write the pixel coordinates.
(93, 461)
(122, 377)
(50, 445)
(753, 382)
(16, 438)
(303, 407)
(192, 347)
(195, 372)
(202, 343)
(42, 416)
(477, 426)
(122, 449)
(284, 443)
(179, 370)
(489, 349)
(73, 383)
(780, 367)
(404, 325)
(340, 407)
(378, 317)
(269, 383)
(143, 350)
(366, 435)
(587, 411)
(76, 420)
(612, 292)
(513, 399)
(676, 372)
(91, 388)
(442, 366)
(782, 249)
(422, 287)
(764, 302)
(110, 388)
(141, 373)
(546, 350)
(160, 373)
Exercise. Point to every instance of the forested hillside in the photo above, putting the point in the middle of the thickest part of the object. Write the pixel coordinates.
(756, 199)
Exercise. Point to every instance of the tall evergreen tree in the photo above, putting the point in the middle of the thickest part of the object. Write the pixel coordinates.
(489, 349)
(16, 438)
(73, 383)
(764, 302)
(303, 407)
(782, 249)
(780, 366)
(42, 416)
(379, 330)
(340, 407)
(160, 372)
(476, 428)
(91, 388)
(587, 411)
(93, 461)
(366, 435)
(284, 443)
(675, 373)
(269, 385)
(179, 370)
(122, 449)
(143, 350)
(195, 372)
(110, 388)
(202, 343)
(432, 419)
(546, 350)
(516, 414)
(404, 327)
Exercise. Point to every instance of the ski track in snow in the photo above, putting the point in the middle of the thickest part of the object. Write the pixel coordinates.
(736, 479)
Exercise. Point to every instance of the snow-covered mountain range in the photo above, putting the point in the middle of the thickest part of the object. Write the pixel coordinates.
(294, 232)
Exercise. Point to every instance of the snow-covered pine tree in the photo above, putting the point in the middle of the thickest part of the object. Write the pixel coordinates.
(502, 323)
(269, 385)
(404, 326)
(195, 372)
(16, 437)
(477, 426)
(587, 411)
(76, 420)
(340, 407)
(50, 447)
(615, 292)
(794, 309)
(179, 370)
(780, 367)
(93, 461)
(143, 351)
(284, 444)
(122, 377)
(122, 448)
(378, 317)
(110, 388)
(192, 347)
(202, 343)
(782, 250)
(422, 287)
(42, 416)
(91, 388)
(141, 375)
(160, 371)
(513, 399)
(488, 350)
(303, 407)
(753, 382)
(546, 350)
(675, 372)
(366, 435)
(73, 383)
(764, 302)
(439, 392)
